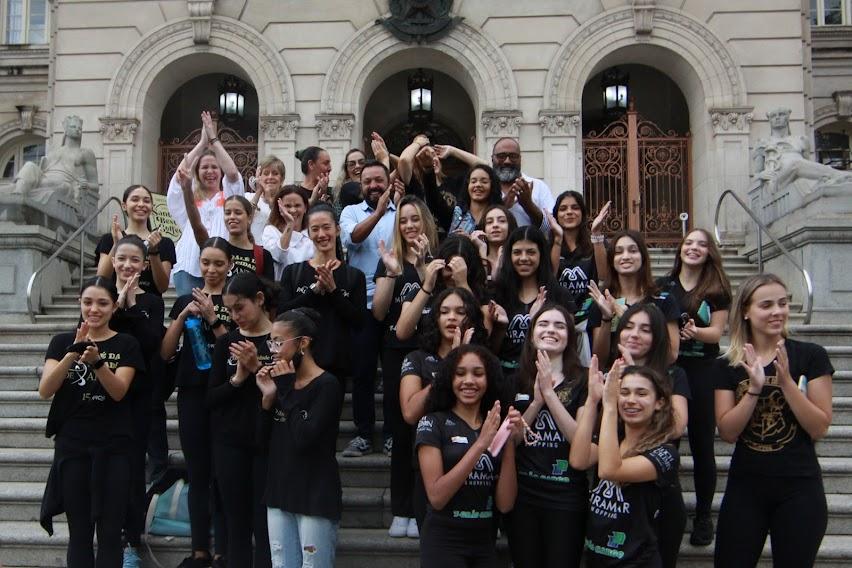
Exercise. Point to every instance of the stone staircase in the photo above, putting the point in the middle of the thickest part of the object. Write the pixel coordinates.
(25, 455)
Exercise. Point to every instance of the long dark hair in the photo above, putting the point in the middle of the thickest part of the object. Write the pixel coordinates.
(662, 422)
(658, 355)
(646, 279)
(713, 283)
(508, 283)
(218, 243)
(510, 218)
(442, 398)
(130, 189)
(459, 245)
(496, 195)
(430, 333)
(328, 209)
(248, 285)
(584, 240)
(101, 282)
(571, 368)
(275, 218)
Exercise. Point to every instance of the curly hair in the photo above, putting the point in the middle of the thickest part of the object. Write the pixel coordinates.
(508, 283)
(496, 195)
(430, 332)
(442, 398)
(571, 368)
(662, 422)
(584, 231)
(460, 245)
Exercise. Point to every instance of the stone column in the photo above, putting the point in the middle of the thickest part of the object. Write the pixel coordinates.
(278, 137)
(334, 133)
(117, 137)
(497, 124)
(563, 150)
(728, 168)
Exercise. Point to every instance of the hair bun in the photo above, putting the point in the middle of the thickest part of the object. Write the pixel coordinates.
(299, 154)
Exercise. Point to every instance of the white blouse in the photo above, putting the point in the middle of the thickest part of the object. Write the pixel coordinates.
(301, 248)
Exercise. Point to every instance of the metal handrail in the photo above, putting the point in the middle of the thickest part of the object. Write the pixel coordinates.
(807, 308)
(80, 231)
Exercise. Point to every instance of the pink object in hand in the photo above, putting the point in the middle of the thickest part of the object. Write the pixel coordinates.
(500, 438)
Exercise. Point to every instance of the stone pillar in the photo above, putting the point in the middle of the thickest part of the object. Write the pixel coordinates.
(497, 124)
(563, 150)
(728, 168)
(334, 133)
(117, 137)
(278, 137)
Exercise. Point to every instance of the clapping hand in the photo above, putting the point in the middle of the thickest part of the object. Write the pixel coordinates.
(754, 368)
(600, 218)
(205, 305)
(389, 259)
(539, 301)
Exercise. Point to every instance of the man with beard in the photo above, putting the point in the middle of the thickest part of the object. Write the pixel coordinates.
(526, 197)
(362, 226)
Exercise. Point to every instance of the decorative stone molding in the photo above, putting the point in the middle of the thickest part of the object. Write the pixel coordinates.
(201, 14)
(643, 16)
(501, 122)
(731, 119)
(280, 127)
(335, 126)
(11, 130)
(673, 30)
(26, 114)
(118, 130)
(558, 123)
(843, 100)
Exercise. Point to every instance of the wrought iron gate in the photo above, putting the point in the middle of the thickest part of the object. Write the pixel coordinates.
(644, 171)
(242, 150)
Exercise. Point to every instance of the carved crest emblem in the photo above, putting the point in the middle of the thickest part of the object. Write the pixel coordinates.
(419, 21)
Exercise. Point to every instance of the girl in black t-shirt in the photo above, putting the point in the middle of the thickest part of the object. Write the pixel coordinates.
(239, 457)
(301, 403)
(773, 400)
(524, 282)
(88, 374)
(464, 482)
(491, 233)
(629, 282)
(699, 284)
(138, 203)
(398, 274)
(193, 415)
(547, 525)
(635, 463)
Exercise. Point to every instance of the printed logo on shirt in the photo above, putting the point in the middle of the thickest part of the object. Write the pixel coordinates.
(449, 422)
(407, 288)
(518, 327)
(574, 279)
(560, 467)
(607, 500)
(768, 430)
(483, 473)
(425, 424)
(545, 427)
(663, 457)
(78, 373)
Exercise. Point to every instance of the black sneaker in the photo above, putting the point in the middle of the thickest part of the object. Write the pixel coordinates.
(702, 531)
(193, 562)
(358, 447)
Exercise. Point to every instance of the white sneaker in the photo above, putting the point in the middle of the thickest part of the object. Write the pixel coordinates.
(398, 528)
(412, 531)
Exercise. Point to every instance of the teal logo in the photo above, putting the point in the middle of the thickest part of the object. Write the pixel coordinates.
(616, 539)
(560, 467)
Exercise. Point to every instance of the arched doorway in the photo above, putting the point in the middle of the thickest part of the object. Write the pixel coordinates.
(638, 157)
(180, 126)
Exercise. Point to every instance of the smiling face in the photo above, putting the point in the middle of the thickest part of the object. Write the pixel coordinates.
(627, 259)
(295, 206)
(374, 182)
(139, 204)
(496, 227)
(323, 231)
(470, 380)
(452, 315)
(410, 223)
(525, 258)
(569, 215)
(128, 261)
(550, 333)
(291, 344)
(270, 178)
(479, 186)
(768, 310)
(637, 337)
(637, 400)
(237, 218)
(209, 173)
(354, 164)
(695, 249)
(96, 307)
(214, 266)
(245, 312)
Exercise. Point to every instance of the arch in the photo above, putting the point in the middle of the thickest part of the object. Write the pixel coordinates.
(827, 115)
(11, 133)
(580, 55)
(479, 63)
(173, 41)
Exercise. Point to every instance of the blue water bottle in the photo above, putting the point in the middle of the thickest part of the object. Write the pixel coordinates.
(195, 337)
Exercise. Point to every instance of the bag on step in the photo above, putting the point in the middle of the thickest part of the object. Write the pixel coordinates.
(168, 512)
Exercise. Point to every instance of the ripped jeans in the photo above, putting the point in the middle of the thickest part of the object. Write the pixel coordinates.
(300, 541)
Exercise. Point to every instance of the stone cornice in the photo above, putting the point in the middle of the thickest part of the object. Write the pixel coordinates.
(118, 130)
(335, 126)
(558, 123)
(731, 120)
(279, 127)
(501, 122)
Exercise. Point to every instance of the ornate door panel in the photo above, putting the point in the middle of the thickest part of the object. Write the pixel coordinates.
(242, 150)
(644, 171)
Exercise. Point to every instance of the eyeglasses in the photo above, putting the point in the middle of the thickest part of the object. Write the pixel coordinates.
(275, 346)
(502, 156)
(353, 163)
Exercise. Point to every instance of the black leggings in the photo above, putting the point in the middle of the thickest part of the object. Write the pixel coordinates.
(77, 500)
(670, 525)
(402, 469)
(134, 523)
(791, 509)
(194, 430)
(241, 477)
(366, 342)
(444, 544)
(540, 536)
(702, 428)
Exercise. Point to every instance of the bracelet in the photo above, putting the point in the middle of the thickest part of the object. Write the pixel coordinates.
(752, 393)
(99, 363)
(425, 291)
(597, 239)
(392, 275)
(213, 140)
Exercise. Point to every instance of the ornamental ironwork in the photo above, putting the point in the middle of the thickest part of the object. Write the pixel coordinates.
(420, 21)
(243, 150)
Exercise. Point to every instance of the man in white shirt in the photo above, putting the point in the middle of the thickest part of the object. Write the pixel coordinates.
(528, 198)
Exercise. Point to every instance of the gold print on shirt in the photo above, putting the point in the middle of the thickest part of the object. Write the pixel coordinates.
(769, 429)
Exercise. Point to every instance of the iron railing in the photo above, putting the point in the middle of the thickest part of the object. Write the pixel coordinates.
(807, 306)
(81, 232)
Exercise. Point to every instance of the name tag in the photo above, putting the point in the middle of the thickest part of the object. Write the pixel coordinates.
(459, 440)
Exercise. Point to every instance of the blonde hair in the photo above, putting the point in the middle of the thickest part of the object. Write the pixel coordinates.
(400, 247)
(272, 162)
(197, 192)
(740, 330)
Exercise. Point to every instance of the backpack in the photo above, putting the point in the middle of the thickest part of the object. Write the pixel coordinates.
(258, 260)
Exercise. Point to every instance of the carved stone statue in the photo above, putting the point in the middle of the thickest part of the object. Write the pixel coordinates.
(783, 158)
(69, 171)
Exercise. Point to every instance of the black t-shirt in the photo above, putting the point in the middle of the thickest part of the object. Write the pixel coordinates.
(82, 409)
(773, 442)
(303, 474)
(146, 278)
(545, 478)
(575, 273)
(663, 300)
(188, 374)
(692, 348)
(621, 523)
(404, 285)
(519, 325)
(144, 321)
(245, 261)
(422, 364)
(342, 311)
(473, 503)
(234, 410)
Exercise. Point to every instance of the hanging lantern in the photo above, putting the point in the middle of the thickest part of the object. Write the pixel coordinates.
(420, 97)
(614, 85)
(232, 99)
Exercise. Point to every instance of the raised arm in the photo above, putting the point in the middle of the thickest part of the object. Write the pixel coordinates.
(199, 231)
(229, 168)
(406, 159)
